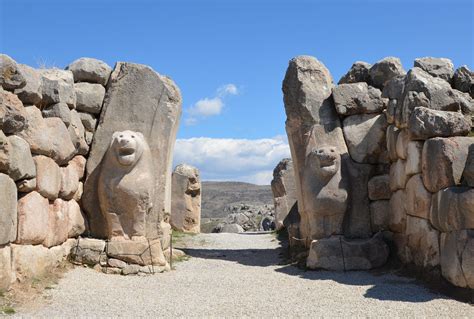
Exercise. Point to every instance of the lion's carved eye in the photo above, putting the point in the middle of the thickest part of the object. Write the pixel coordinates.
(133, 136)
(121, 136)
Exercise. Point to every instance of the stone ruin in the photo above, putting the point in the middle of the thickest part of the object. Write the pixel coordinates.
(246, 218)
(384, 158)
(66, 137)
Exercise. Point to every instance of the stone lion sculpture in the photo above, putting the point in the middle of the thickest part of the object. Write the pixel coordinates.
(125, 186)
(328, 194)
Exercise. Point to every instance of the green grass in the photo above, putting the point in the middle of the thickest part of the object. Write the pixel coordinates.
(7, 310)
(471, 134)
(178, 235)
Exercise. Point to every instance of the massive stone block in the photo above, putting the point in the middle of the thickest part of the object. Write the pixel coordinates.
(284, 190)
(58, 86)
(457, 258)
(379, 187)
(60, 110)
(468, 173)
(392, 137)
(7, 276)
(358, 98)
(186, 199)
(62, 146)
(13, 117)
(453, 209)
(89, 97)
(77, 134)
(443, 161)
(31, 93)
(48, 177)
(36, 133)
(425, 123)
(463, 80)
(398, 214)
(137, 99)
(422, 242)
(57, 230)
(137, 252)
(11, 77)
(8, 210)
(359, 72)
(90, 70)
(413, 162)
(437, 67)
(32, 219)
(379, 215)
(418, 199)
(69, 181)
(20, 162)
(384, 70)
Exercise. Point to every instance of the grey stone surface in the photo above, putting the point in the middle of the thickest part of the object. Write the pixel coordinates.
(62, 146)
(48, 177)
(69, 182)
(90, 70)
(426, 123)
(379, 215)
(463, 80)
(11, 77)
(384, 70)
(37, 132)
(452, 208)
(13, 118)
(413, 162)
(443, 161)
(60, 110)
(186, 199)
(392, 137)
(33, 212)
(231, 228)
(337, 253)
(359, 72)
(418, 199)
(402, 144)
(358, 98)
(88, 120)
(393, 89)
(379, 187)
(391, 111)
(147, 252)
(437, 67)
(31, 93)
(468, 173)
(7, 276)
(284, 190)
(5, 149)
(365, 137)
(88, 251)
(58, 86)
(8, 210)
(456, 257)
(398, 215)
(422, 243)
(137, 99)
(398, 177)
(58, 222)
(77, 133)
(21, 165)
(89, 97)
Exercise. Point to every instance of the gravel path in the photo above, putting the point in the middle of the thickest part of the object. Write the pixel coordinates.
(237, 275)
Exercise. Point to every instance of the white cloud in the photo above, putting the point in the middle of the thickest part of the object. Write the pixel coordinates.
(210, 106)
(222, 159)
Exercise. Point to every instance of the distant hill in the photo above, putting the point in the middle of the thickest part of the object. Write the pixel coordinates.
(216, 195)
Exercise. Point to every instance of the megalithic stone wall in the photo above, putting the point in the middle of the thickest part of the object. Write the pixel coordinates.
(284, 190)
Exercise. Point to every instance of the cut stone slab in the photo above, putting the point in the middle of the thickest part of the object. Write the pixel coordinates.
(358, 98)
(58, 87)
(90, 70)
(186, 199)
(402, 144)
(398, 177)
(393, 89)
(48, 177)
(57, 231)
(76, 223)
(37, 132)
(63, 148)
(398, 215)
(452, 208)
(20, 162)
(13, 118)
(11, 77)
(32, 219)
(365, 137)
(31, 93)
(78, 162)
(380, 215)
(422, 242)
(379, 187)
(463, 80)
(413, 162)
(137, 252)
(88, 251)
(141, 100)
(392, 137)
(69, 182)
(337, 253)
(77, 134)
(384, 70)
(437, 67)
(426, 123)
(418, 199)
(359, 72)
(443, 161)
(457, 257)
(89, 97)
(7, 276)
(60, 110)
(284, 190)
(8, 210)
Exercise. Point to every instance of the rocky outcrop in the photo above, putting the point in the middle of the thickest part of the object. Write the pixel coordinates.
(90, 70)
(11, 77)
(284, 190)
(186, 199)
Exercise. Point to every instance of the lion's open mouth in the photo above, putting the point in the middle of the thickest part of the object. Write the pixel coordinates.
(125, 151)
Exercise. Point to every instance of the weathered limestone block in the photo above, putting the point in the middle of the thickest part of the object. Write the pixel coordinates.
(90, 70)
(69, 182)
(231, 228)
(393, 89)
(20, 162)
(384, 70)
(443, 161)
(76, 223)
(89, 97)
(463, 80)
(379, 187)
(379, 215)
(31, 93)
(453, 209)
(422, 242)
(88, 137)
(37, 132)
(337, 253)
(392, 137)
(312, 123)
(359, 72)
(398, 177)
(292, 225)
(186, 199)
(365, 137)
(57, 230)
(78, 162)
(391, 111)
(426, 123)
(78, 194)
(13, 117)
(32, 219)
(63, 149)
(48, 177)
(402, 144)
(60, 110)
(437, 67)
(26, 185)
(138, 99)
(58, 86)
(468, 173)
(413, 162)
(77, 134)
(88, 251)
(11, 77)
(7, 276)
(137, 252)
(88, 120)
(284, 190)
(358, 98)
(8, 210)
(5, 149)
(457, 258)
(418, 199)
(398, 213)
(125, 186)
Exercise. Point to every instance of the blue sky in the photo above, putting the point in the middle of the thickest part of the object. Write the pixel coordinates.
(205, 46)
